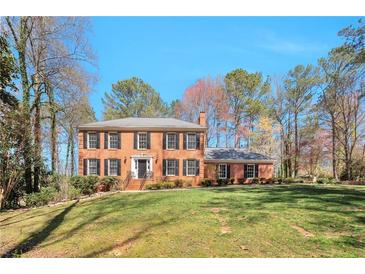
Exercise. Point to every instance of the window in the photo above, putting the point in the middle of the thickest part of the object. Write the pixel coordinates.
(171, 141)
(250, 171)
(191, 141)
(113, 140)
(222, 171)
(170, 167)
(191, 168)
(92, 140)
(142, 140)
(93, 167)
(113, 167)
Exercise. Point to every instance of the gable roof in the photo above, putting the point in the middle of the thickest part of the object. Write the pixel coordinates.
(234, 155)
(131, 123)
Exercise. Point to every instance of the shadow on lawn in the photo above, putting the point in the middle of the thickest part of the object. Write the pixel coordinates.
(344, 202)
(92, 212)
(39, 236)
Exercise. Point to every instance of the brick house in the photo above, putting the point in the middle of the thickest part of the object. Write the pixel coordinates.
(140, 150)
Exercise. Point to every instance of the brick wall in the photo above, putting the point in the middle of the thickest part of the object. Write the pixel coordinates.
(237, 170)
(156, 151)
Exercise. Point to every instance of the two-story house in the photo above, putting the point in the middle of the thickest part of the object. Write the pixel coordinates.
(150, 149)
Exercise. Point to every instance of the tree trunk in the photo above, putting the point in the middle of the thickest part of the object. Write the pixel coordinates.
(21, 45)
(53, 141)
(334, 156)
(72, 151)
(296, 145)
(37, 136)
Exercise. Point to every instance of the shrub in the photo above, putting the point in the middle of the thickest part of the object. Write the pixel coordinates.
(160, 185)
(263, 181)
(87, 185)
(231, 181)
(107, 183)
(288, 180)
(168, 185)
(73, 193)
(255, 180)
(206, 182)
(270, 181)
(322, 180)
(43, 197)
(179, 183)
(188, 183)
(222, 182)
(241, 181)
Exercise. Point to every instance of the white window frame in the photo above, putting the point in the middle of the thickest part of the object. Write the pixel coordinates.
(88, 140)
(109, 170)
(187, 167)
(138, 139)
(167, 167)
(167, 140)
(88, 167)
(187, 141)
(253, 171)
(225, 171)
(109, 135)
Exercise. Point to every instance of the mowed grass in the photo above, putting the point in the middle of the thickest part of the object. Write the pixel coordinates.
(261, 221)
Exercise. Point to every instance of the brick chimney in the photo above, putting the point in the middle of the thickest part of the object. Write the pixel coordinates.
(201, 120)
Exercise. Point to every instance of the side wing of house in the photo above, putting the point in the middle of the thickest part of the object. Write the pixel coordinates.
(236, 164)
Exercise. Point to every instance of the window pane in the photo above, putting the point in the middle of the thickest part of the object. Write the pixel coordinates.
(92, 140)
(191, 141)
(191, 167)
(142, 140)
(93, 168)
(113, 167)
(222, 172)
(171, 141)
(170, 167)
(250, 171)
(113, 140)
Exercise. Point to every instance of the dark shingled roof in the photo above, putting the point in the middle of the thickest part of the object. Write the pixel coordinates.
(144, 123)
(234, 154)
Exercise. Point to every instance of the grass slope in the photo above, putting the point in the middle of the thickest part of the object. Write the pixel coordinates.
(279, 221)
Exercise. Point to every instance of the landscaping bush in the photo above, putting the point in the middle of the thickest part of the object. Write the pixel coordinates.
(87, 185)
(179, 183)
(188, 183)
(43, 197)
(107, 183)
(231, 181)
(167, 185)
(160, 185)
(241, 181)
(222, 182)
(255, 181)
(73, 193)
(206, 182)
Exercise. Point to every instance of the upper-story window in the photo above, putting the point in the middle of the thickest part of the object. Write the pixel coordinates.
(142, 140)
(191, 141)
(113, 140)
(93, 167)
(92, 140)
(222, 171)
(171, 141)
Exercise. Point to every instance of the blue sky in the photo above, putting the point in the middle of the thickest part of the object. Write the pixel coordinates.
(171, 53)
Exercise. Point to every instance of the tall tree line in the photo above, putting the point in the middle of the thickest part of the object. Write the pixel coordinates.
(46, 81)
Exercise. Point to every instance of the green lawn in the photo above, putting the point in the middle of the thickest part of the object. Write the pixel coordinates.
(266, 221)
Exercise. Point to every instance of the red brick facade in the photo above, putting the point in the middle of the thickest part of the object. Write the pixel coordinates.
(128, 156)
